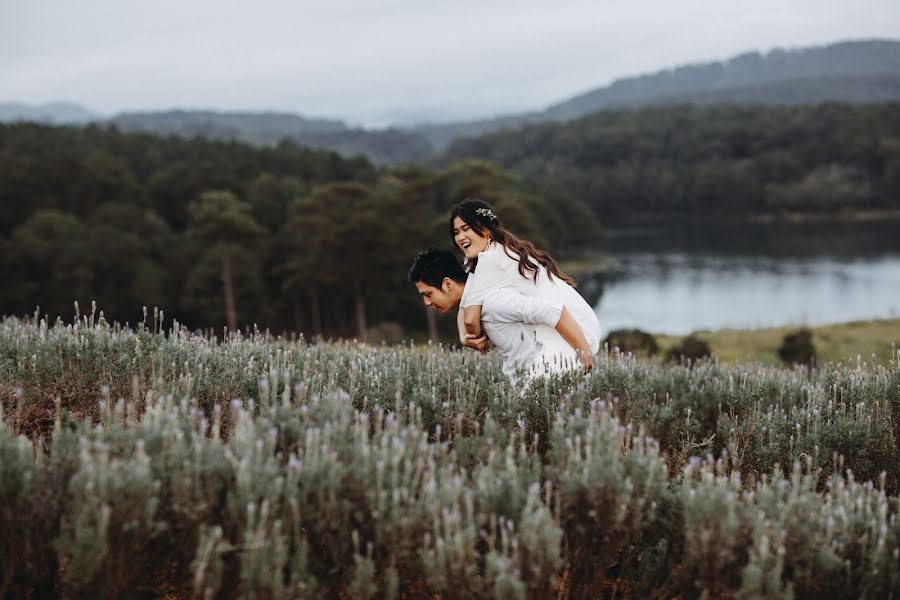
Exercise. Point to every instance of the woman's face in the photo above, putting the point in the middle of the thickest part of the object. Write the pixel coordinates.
(467, 240)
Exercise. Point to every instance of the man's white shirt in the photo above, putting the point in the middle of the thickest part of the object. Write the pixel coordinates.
(523, 329)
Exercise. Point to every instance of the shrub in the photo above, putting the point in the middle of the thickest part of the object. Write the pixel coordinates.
(797, 348)
(632, 340)
(690, 348)
(258, 466)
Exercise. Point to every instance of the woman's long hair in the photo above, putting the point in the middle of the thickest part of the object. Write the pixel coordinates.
(482, 219)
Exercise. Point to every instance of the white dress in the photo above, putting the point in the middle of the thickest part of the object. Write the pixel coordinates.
(498, 270)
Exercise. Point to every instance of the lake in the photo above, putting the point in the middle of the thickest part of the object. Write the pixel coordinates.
(686, 278)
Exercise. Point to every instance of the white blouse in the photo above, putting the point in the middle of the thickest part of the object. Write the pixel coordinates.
(498, 270)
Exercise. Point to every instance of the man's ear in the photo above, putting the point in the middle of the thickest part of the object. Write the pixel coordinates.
(446, 284)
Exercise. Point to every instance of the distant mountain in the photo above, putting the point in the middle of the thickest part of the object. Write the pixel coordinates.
(849, 89)
(58, 113)
(857, 72)
(860, 59)
(265, 127)
(386, 146)
(854, 71)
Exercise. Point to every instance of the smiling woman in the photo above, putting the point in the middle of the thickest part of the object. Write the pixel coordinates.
(470, 242)
(474, 225)
(478, 235)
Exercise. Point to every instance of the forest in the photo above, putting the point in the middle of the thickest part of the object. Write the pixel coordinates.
(700, 162)
(294, 239)
(224, 233)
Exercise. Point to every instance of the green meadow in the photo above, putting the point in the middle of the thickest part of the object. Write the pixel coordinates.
(869, 341)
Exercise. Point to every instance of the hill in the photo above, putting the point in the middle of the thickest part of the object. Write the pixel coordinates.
(838, 66)
(659, 164)
(854, 71)
(52, 113)
(387, 146)
(857, 72)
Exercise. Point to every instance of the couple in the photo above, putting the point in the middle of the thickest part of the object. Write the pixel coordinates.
(513, 298)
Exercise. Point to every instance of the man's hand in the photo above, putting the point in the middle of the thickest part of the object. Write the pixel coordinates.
(480, 343)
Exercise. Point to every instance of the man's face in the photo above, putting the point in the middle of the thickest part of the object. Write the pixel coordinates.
(440, 299)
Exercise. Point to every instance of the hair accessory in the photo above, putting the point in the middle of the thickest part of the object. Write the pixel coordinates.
(486, 213)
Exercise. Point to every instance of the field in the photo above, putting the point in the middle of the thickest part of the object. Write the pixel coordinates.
(155, 463)
(833, 343)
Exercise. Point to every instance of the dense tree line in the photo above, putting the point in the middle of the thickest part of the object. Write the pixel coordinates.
(221, 232)
(720, 161)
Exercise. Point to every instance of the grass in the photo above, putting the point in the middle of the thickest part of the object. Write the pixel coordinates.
(833, 343)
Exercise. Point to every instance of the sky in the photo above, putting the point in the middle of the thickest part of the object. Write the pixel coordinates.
(388, 61)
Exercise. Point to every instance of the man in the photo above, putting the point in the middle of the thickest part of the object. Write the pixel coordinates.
(512, 322)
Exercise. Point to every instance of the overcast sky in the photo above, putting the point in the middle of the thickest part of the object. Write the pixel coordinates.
(382, 61)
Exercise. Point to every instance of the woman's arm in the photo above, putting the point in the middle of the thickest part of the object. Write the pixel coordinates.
(569, 329)
(461, 326)
(477, 341)
(472, 320)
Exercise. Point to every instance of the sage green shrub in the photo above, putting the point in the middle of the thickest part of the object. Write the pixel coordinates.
(134, 462)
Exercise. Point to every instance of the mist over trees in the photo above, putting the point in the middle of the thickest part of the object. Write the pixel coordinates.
(222, 233)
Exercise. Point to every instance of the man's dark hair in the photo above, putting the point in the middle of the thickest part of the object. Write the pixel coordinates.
(432, 265)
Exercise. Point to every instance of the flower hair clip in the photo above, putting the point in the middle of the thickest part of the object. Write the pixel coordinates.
(486, 213)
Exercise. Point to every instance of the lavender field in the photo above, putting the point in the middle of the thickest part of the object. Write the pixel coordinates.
(151, 462)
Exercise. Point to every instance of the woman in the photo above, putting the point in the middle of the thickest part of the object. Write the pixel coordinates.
(497, 259)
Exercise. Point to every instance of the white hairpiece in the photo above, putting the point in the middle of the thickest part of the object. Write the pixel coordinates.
(487, 213)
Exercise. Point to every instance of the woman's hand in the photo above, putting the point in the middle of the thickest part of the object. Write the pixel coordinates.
(569, 329)
(587, 359)
(480, 343)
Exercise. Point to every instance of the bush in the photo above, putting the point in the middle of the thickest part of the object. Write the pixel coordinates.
(632, 340)
(690, 348)
(797, 348)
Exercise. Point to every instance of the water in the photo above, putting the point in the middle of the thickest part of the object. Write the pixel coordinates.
(713, 277)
